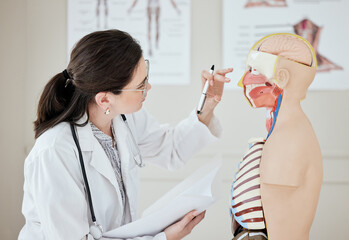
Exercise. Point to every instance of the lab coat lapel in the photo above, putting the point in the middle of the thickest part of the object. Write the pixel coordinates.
(102, 164)
(98, 158)
(128, 168)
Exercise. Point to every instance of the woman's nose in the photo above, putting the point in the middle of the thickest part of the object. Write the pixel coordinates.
(148, 87)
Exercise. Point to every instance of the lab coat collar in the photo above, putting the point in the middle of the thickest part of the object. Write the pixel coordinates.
(100, 161)
(85, 135)
(98, 158)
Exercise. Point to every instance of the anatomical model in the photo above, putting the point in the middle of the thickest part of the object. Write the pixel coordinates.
(276, 189)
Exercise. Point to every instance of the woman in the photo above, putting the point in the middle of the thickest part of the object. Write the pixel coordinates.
(106, 78)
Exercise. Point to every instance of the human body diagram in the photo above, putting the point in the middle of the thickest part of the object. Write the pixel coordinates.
(102, 5)
(153, 16)
(311, 32)
(266, 3)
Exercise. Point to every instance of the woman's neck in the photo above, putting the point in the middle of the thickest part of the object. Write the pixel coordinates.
(100, 120)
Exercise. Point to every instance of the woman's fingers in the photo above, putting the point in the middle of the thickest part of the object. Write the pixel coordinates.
(205, 75)
(187, 218)
(224, 71)
(184, 226)
(195, 221)
(218, 76)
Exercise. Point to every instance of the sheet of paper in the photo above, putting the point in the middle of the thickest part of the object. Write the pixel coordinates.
(199, 191)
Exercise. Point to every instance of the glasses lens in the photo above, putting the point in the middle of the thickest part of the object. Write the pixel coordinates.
(147, 64)
(146, 81)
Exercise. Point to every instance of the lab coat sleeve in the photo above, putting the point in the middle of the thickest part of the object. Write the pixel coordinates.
(170, 147)
(54, 182)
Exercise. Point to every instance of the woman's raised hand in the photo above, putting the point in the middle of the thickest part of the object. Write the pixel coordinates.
(214, 92)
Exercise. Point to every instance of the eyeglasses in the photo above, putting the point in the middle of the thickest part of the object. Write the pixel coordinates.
(144, 90)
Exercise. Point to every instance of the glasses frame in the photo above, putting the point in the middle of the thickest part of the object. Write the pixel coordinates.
(144, 90)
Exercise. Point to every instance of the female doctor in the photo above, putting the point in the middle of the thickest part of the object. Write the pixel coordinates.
(92, 135)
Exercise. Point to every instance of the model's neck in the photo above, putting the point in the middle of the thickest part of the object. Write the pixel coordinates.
(284, 108)
(272, 114)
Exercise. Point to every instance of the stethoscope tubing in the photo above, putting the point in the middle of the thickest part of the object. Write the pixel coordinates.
(87, 187)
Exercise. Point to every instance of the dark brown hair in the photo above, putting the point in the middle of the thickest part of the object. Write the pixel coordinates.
(102, 61)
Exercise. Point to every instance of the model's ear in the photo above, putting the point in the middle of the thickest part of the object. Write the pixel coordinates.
(282, 75)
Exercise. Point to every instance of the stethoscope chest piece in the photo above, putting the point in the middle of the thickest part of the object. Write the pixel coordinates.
(96, 231)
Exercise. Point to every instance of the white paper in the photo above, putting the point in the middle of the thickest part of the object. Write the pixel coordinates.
(244, 25)
(197, 192)
(165, 41)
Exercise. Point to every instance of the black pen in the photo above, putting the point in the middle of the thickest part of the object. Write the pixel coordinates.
(203, 94)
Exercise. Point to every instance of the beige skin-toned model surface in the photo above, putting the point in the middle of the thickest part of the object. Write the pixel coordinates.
(279, 70)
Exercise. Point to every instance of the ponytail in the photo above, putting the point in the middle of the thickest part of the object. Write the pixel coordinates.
(54, 104)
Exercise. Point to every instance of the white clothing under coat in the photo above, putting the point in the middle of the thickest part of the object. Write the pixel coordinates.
(54, 202)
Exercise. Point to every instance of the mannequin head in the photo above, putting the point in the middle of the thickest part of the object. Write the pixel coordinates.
(276, 64)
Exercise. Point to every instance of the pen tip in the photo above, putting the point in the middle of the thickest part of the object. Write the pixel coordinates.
(212, 68)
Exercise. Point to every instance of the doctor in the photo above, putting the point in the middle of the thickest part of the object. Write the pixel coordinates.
(92, 135)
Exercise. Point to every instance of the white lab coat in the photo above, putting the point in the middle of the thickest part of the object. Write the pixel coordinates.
(54, 202)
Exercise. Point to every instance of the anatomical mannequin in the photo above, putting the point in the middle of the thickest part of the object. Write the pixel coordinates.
(276, 189)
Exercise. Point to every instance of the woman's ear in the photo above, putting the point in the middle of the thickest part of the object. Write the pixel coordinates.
(282, 75)
(102, 100)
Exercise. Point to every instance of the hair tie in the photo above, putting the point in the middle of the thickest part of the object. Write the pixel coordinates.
(67, 77)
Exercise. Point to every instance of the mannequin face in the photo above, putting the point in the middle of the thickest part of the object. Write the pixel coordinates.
(260, 91)
(259, 85)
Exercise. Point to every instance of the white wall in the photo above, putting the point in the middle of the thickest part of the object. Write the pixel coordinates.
(12, 70)
(33, 49)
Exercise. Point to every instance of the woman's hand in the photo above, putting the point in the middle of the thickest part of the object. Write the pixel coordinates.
(183, 227)
(214, 92)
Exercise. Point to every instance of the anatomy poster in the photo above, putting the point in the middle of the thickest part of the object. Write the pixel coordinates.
(318, 21)
(162, 27)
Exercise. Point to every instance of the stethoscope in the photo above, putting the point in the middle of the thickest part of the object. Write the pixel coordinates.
(96, 230)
